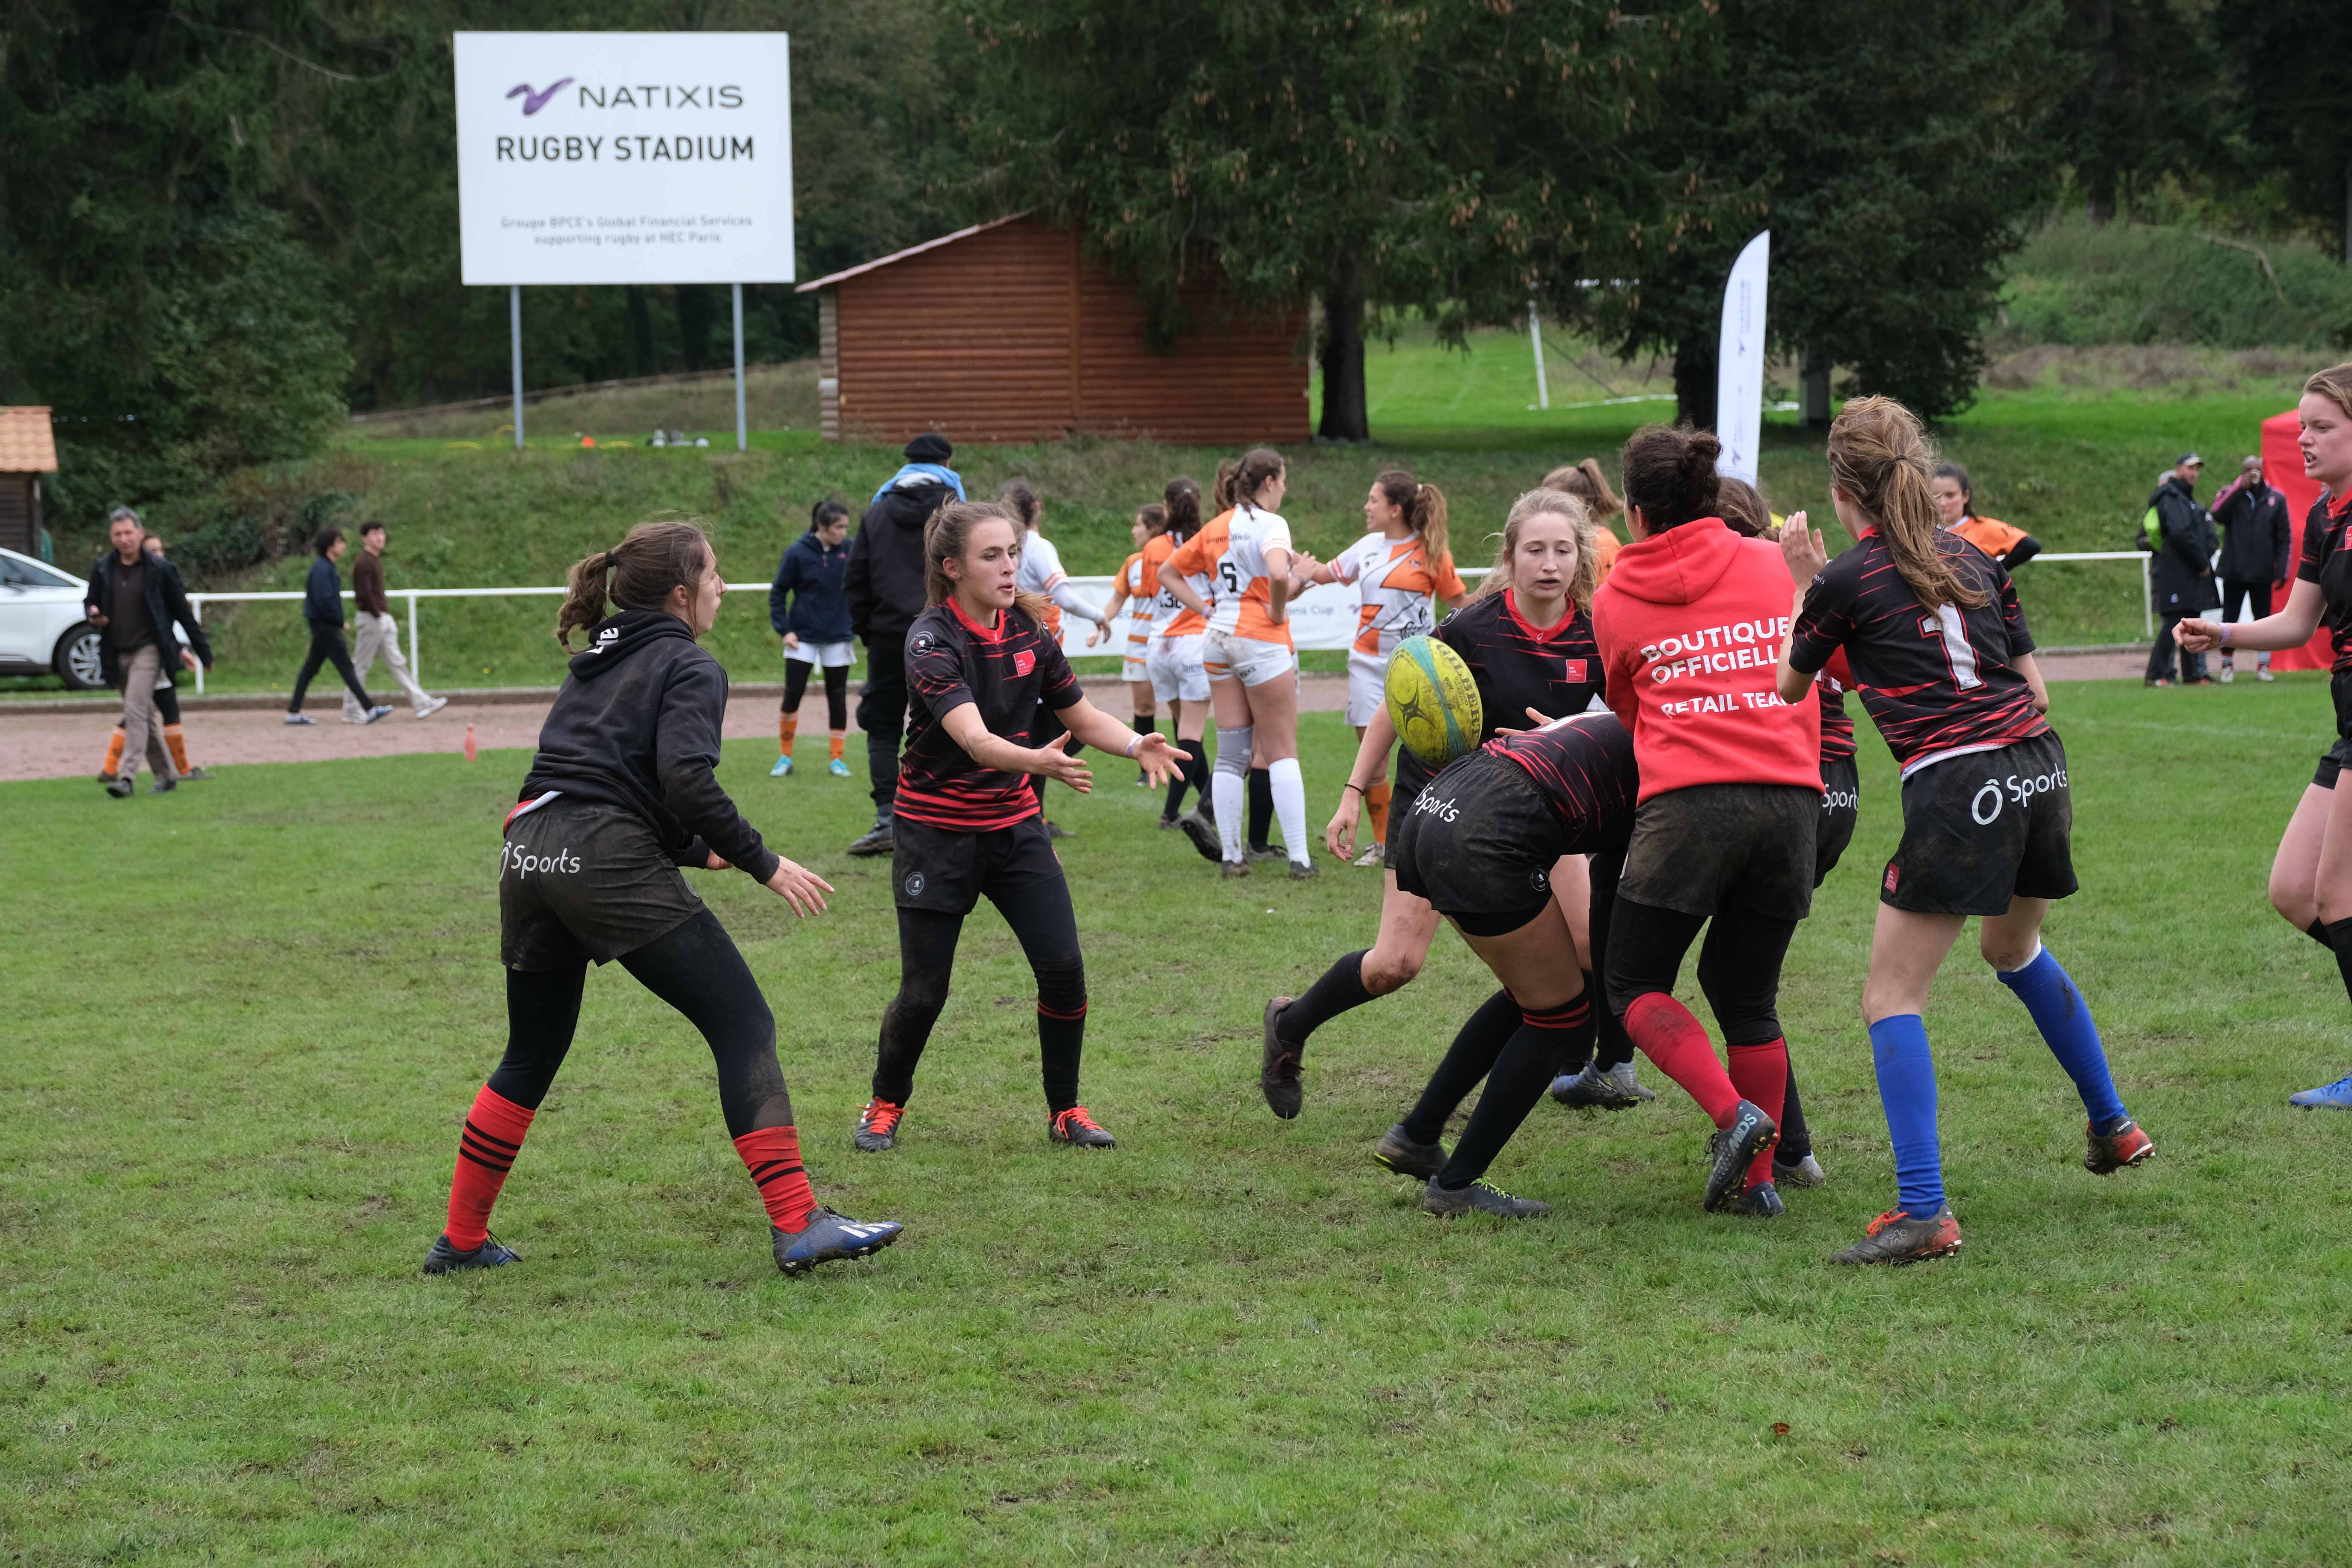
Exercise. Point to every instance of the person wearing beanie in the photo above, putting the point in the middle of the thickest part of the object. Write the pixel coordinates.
(884, 589)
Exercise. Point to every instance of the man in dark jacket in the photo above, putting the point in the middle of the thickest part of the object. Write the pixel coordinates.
(322, 607)
(884, 589)
(2184, 569)
(2255, 531)
(136, 602)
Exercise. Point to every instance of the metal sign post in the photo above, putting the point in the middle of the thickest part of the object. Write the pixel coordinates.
(742, 437)
(1535, 333)
(514, 331)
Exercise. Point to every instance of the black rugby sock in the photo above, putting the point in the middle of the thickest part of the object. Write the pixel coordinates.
(1614, 1046)
(2340, 937)
(1192, 773)
(1261, 807)
(1522, 1073)
(1061, 1039)
(2317, 931)
(1476, 1046)
(1341, 987)
(1796, 1138)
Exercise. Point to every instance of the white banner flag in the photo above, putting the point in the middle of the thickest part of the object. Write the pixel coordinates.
(1739, 366)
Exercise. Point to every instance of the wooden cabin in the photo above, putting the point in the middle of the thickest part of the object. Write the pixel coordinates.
(28, 450)
(1006, 332)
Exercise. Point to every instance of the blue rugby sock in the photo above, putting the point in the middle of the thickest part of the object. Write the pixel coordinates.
(2064, 1020)
(1906, 1091)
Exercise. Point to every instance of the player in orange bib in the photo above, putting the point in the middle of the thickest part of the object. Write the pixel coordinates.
(1247, 653)
(1401, 567)
(1588, 484)
(1129, 592)
(1956, 510)
(1172, 660)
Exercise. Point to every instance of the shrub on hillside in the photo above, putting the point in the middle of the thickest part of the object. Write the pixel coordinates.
(2077, 283)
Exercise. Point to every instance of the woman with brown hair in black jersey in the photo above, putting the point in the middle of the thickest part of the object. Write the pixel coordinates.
(979, 665)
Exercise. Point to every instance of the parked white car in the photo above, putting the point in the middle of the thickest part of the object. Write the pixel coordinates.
(42, 628)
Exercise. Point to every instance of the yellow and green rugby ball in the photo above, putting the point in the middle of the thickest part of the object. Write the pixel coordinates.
(1433, 701)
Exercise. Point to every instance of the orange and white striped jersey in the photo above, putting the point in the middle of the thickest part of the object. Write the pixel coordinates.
(1233, 551)
(1039, 571)
(1399, 584)
(1142, 590)
(1174, 619)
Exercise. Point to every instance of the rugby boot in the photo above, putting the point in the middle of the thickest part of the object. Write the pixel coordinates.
(444, 1259)
(877, 1126)
(1257, 852)
(1078, 1130)
(1378, 854)
(2124, 1145)
(829, 1236)
(1278, 1073)
(1897, 1238)
(1733, 1148)
(1478, 1197)
(2337, 1096)
(1203, 835)
(1305, 870)
(1803, 1171)
(1590, 1089)
(877, 840)
(783, 768)
(838, 768)
(1232, 868)
(1622, 1075)
(1399, 1152)
(1761, 1200)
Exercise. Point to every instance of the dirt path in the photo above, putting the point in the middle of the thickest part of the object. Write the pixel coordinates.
(64, 745)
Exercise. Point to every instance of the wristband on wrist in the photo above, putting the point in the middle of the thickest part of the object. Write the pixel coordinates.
(2225, 632)
(1134, 746)
(1353, 785)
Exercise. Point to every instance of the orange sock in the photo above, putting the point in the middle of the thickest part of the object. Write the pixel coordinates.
(772, 1155)
(178, 742)
(788, 726)
(113, 764)
(1376, 801)
(837, 738)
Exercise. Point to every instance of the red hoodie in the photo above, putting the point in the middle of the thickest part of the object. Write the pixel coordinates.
(1690, 625)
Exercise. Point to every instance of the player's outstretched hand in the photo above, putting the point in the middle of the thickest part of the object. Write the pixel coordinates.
(1804, 550)
(1156, 758)
(1057, 764)
(1339, 834)
(1102, 630)
(800, 888)
(2197, 635)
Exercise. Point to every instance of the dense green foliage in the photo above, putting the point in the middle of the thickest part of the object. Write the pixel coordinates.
(2075, 282)
(1232, 1340)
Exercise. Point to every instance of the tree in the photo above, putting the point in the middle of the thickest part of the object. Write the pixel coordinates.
(2143, 97)
(1895, 153)
(1449, 159)
(2285, 59)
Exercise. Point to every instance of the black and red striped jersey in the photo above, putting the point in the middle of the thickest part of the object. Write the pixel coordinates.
(1583, 764)
(2323, 542)
(1937, 683)
(1834, 681)
(1554, 669)
(1006, 672)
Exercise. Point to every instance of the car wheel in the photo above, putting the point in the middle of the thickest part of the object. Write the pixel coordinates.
(77, 662)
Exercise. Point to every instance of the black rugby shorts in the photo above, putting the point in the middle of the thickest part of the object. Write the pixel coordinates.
(947, 871)
(579, 881)
(1841, 810)
(1479, 842)
(1983, 828)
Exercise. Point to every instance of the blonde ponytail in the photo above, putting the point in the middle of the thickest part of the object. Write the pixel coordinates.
(1881, 461)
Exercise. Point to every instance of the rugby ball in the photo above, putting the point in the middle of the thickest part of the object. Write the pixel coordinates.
(1433, 701)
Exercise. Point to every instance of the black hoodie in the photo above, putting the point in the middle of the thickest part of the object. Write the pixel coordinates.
(637, 726)
(885, 585)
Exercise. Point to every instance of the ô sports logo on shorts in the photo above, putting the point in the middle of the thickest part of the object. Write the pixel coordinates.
(914, 886)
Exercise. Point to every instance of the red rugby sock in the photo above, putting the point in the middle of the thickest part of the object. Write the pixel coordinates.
(772, 1155)
(1670, 1037)
(486, 1151)
(1760, 1073)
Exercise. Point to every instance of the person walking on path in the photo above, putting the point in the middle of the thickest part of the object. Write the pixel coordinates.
(174, 739)
(2184, 570)
(136, 601)
(2255, 532)
(322, 607)
(884, 587)
(379, 632)
(808, 609)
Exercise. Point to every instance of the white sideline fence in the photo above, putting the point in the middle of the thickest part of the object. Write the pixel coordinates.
(1323, 618)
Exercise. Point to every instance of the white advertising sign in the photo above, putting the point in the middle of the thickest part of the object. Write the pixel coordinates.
(624, 157)
(1740, 371)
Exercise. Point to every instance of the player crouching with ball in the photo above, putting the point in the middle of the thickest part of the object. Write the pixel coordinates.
(979, 663)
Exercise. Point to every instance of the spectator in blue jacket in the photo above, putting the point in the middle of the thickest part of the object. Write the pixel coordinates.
(809, 607)
(322, 607)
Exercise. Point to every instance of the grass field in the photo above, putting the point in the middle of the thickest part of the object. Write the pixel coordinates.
(2066, 444)
(244, 1023)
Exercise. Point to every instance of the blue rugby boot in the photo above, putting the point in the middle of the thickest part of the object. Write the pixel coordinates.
(2337, 1096)
(829, 1236)
(444, 1259)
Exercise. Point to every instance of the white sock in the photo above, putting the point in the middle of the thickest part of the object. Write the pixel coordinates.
(1231, 796)
(1290, 807)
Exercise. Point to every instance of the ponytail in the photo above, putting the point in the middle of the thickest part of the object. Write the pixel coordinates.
(1424, 507)
(1588, 484)
(1251, 471)
(1183, 499)
(1879, 460)
(635, 574)
(1669, 474)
